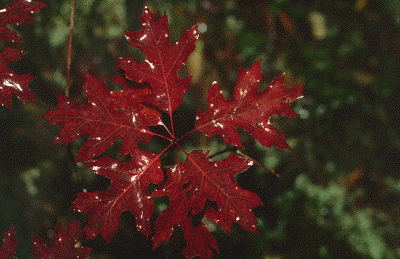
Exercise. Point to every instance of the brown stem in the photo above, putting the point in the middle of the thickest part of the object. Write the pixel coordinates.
(71, 29)
(254, 161)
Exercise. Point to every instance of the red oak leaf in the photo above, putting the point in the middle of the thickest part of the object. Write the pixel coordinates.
(65, 244)
(190, 184)
(104, 118)
(129, 113)
(198, 241)
(249, 109)
(214, 181)
(128, 192)
(9, 246)
(163, 60)
(17, 12)
(178, 210)
(11, 82)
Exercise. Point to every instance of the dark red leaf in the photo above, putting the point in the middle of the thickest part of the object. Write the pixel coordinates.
(163, 60)
(178, 210)
(198, 241)
(65, 244)
(9, 246)
(215, 181)
(11, 82)
(128, 192)
(151, 87)
(106, 117)
(190, 184)
(17, 12)
(249, 109)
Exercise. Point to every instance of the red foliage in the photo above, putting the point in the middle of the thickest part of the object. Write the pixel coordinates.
(190, 184)
(11, 83)
(104, 119)
(9, 246)
(65, 244)
(127, 115)
(163, 60)
(249, 109)
(17, 12)
(128, 192)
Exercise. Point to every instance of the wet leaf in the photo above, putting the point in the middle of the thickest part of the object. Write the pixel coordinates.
(128, 192)
(12, 82)
(191, 184)
(17, 12)
(104, 119)
(150, 88)
(163, 60)
(249, 109)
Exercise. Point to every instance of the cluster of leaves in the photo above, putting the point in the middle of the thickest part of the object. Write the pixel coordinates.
(128, 115)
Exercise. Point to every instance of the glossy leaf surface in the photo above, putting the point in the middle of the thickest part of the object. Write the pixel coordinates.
(128, 192)
(12, 82)
(179, 205)
(149, 88)
(17, 12)
(189, 186)
(249, 109)
(199, 241)
(163, 60)
(9, 245)
(104, 119)
(65, 244)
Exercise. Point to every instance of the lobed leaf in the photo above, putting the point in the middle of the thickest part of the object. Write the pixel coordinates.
(179, 207)
(17, 12)
(9, 246)
(249, 109)
(129, 113)
(65, 244)
(190, 184)
(163, 60)
(199, 241)
(12, 82)
(104, 118)
(128, 192)
(213, 180)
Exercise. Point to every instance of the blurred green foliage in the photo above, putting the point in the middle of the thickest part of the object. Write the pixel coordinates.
(338, 194)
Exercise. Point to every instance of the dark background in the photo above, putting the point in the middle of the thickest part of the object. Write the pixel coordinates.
(338, 196)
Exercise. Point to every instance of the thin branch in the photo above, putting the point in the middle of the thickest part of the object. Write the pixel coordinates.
(71, 29)
(254, 161)
(229, 149)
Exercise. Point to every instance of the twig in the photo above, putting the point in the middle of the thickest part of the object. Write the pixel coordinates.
(246, 156)
(71, 29)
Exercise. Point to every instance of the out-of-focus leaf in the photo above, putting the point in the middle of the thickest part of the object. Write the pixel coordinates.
(9, 246)
(65, 244)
